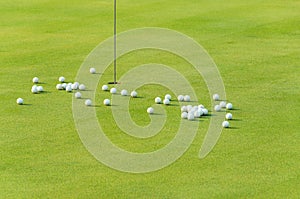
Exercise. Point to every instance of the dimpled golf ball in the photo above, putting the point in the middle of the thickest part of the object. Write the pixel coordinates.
(75, 86)
(133, 94)
(205, 111)
(35, 80)
(180, 98)
(81, 87)
(157, 100)
(88, 102)
(217, 108)
(40, 89)
(105, 88)
(92, 70)
(59, 87)
(184, 109)
(34, 89)
(184, 115)
(69, 88)
(124, 92)
(20, 101)
(106, 102)
(216, 97)
(61, 79)
(225, 124)
(200, 112)
(150, 110)
(166, 101)
(189, 108)
(168, 96)
(77, 95)
(64, 85)
(229, 106)
(228, 116)
(222, 104)
(197, 114)
(113, 90)
(187, 98)
(191, 116)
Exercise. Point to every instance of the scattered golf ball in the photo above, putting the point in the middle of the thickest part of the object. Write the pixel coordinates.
(77, 95)
(61, 79)
(59, 87)
(20, 101)
(81, 87)
(106, 102)
(200, 111)
(124, 92)
(133, 94)
(105, 88)
(228, 116)
(34, 89)
(216, 97)
(88, 102)
(40, 89)
(157, 100)
(223, 104)
(187, 98)
(64, 85)
(69, 88)
(150, 110)
(35, 80)
(225, 124)
(184, 115)
(184, 109)
(205, 111)
(113, 90)
(92, 70)
(217, 108)
(180, 98)
(168, 96)
(191, 116)
(229, 106)
(166, 101)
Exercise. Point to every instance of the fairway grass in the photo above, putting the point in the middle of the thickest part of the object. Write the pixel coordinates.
(256, 46)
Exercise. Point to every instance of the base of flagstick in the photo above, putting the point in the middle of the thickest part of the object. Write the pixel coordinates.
(114, 82)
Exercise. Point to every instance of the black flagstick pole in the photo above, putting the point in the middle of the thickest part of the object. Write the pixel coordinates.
(115, 43)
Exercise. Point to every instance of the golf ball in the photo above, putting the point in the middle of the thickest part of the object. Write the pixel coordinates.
(229, 106)
(216, 97)
(92, 70)
(225, 124)
(197, 114)
(59, 87)
(189, 108)
(113, 90)
(168, 96)
(217, 108)
(40, 89)
(69, 88)
(191, 116)
(106, 102)
(184, 109)
(77, 95)
(187, 98)
(88, 102)
(81, 87)
(75, 86)
(105, 88)
(35, 80)
(34, 89)
(200, 111)
(184, 115)
(20, 101)
(180, 98)
(205, 111)
(157, 100)
(150, 110)
(223, 104)
(228, 116)
(124, 92)
(61, 79)
(201, 106)
(64, 85)
(166, 101)
(133, 94)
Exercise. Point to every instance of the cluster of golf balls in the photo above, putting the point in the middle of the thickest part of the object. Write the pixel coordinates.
(223, 105)
(191, 112)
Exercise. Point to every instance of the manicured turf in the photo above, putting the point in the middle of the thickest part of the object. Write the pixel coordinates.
(256, 47)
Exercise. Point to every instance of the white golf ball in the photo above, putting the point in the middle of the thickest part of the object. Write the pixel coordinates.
(69, 88)
(124, 92)
(168, 96)
(59, 87)
(216, 97)
(92, 70)
(113, 90)
(184, 109)
(191, 116)
(166, 101)
(187, 98)
(225, 124)
(205, 111)
(64, 85)
(180, 98)
(229, 106)
(201, 106)
(157, 100)
(106, 102)
(200, 111)
(189, 108)
(88, 102)
(223, 104)
(20, 101)
(75, 86)
(150, 110)
(77, 95)
(197, 114)
(40, 89)
(34, 89)
(217, 108)
(133, 94)
(35, 80)
(61, 79)
(105, 88)
(228, 116)
(81, 87)
(184, 115)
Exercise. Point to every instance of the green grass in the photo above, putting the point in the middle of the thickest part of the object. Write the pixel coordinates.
(256, 47)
